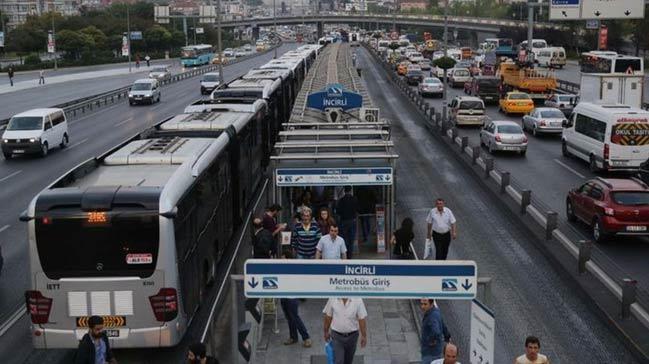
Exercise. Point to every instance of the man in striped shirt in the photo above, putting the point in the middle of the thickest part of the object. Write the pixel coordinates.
(306, 235)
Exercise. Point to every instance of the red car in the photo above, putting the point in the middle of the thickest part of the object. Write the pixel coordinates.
(612, 207)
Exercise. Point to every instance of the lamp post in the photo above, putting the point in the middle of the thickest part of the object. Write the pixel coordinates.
(445, 102)
(275, 29)
(218, 31)
(128, 35)
(56, 66)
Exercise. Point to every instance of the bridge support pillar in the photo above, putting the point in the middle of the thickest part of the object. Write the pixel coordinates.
(320, 27)
(255, 33)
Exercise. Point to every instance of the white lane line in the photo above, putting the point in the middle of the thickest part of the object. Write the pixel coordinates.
(9, 176)
(124, 121)
(76, 144)
(569, 168)
(5, 326)
(4, 228)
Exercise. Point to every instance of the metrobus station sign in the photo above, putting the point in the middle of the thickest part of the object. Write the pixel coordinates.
(295, 177)
(360, 278)
(334, 96)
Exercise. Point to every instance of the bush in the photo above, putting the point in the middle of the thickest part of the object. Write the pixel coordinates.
(32, 59)
(444, 63)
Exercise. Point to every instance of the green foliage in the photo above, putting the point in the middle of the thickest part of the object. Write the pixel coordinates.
(74, 43)
(32, 59)
(444, 63)
(158, 37)
(394, 46)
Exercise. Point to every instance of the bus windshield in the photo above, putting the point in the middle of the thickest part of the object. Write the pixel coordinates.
(98, 244)
(188, 54)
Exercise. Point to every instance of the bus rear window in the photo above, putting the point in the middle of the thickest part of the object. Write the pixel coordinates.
(98, 244)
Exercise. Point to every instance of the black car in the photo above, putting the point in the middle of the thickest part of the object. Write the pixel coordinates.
(414, 77)
(484, 87)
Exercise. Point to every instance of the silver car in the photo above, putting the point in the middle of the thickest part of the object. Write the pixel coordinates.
(431, 86)
(503, 135)
(563, 102)
(425, 64)
(544, 120)
(160, 73)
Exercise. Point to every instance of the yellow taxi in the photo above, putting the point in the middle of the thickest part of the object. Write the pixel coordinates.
(516, 103)
(402, 68)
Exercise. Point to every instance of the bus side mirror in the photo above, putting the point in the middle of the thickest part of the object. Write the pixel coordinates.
(170, 214)
(24, 217)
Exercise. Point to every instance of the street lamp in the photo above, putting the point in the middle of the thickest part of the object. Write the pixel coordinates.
(445, 102)
(128, 35)
(56, 66)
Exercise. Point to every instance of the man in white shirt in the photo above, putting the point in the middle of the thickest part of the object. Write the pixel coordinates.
(450, 355)
(441, 228)
(532, 355)
(331, 246)
(343, 318)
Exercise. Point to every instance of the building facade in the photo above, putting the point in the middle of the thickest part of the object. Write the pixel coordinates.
(18, 10)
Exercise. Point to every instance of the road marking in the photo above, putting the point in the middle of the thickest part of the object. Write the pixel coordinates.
(4, 228)
(76, 144)
(569, 168)
(5, 326)
(124, 121)
(9, 176)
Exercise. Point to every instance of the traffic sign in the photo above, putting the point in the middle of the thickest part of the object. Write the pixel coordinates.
(565, 9)
(360, 278)
(592, 24)
(298, 177)
(136, 35)
(483, 329)
(596, 9)
(334, 96)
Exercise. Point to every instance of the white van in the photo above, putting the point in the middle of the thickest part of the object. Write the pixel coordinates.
(608, 136)
(144, 90)
(35, 132)
(551, 57)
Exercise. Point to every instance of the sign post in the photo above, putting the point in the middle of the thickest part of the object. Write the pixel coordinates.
(391, 279)
(483, 329)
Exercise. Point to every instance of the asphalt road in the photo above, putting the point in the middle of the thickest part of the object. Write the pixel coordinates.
(530, 297)
(550, 176)
(22, 178)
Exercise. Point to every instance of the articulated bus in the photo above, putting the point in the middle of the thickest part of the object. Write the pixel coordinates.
(197, 55)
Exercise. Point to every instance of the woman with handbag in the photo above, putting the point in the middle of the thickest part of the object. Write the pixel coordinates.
(401, 240)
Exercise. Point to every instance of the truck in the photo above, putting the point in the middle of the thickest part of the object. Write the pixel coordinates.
(514, 76)
(612, 88)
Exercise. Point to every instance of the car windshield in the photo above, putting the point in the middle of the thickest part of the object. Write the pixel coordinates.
(552, 114)
(25, 123)
(141, 86)
(211, 78)
(432, 80)
(565, 98)
(631, 198)
(519, 96)
(468, 105)
(488, 82)
(510, 129)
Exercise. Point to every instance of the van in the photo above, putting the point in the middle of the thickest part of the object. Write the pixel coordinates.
(458, 76)
(551, 57)
(467, 110)
(610, 137)
(144, 90)
(35, 132)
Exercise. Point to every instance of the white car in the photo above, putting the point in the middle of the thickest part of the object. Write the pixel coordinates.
(458, 76)
(160, 73)
(431, 86)
(503, 135)
(209, 82)
(35, 132)
(544, 120)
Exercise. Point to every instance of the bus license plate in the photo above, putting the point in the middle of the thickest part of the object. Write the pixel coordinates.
(636, 228)
(18, 151)
(112, 333)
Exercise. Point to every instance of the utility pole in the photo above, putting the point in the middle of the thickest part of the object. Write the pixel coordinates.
(275, 29)
(530, 28)
(219, 46)
(56, 66)
(194, 21)
(128, 35)
(445, 102)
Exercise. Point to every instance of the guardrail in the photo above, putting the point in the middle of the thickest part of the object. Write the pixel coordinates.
(89, 103)
(632, 297)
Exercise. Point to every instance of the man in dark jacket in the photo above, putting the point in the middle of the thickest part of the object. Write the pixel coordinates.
(197, 354)
(94, 347)
(263, 243)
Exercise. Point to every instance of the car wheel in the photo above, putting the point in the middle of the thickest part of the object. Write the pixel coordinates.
(523, 152)
(44, 149)
(592, 165)
(7, 156)
(130, 103)
(570, 212)
(64, 142)
(599, 235)
(564, 149)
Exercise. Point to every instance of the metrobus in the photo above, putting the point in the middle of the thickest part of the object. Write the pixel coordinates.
(197, 55)
(135, 235)
(611, 63)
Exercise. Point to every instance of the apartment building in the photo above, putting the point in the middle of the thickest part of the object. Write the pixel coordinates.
(18, 10)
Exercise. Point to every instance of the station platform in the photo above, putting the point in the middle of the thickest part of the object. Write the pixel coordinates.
(392, 335)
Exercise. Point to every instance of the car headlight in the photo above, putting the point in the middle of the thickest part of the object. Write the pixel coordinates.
(147, 95)
(6, 140)
(130, 95)
(34, 140)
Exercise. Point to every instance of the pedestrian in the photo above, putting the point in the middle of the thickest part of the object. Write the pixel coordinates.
(305, 236)
(10, 73)
(325, 220)
(347, 211)
(450, 355)
(305, 202)
(41, 77)
(532, 355)
(401, 239)
(148, 60)
(343, 318)
(366, 210)
(94, 347)
(269, 220)
(331, 246)
(441, 228)
(290, 307)
(137, 61)
(433, 332)
(197, 354)
(263, 244)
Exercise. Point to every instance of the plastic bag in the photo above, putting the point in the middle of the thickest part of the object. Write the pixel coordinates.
(428, 249)
(329, 350)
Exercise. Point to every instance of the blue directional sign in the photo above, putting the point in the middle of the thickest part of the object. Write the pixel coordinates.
(334, 96)
(360, 278)
(333, 176)
(136, 35)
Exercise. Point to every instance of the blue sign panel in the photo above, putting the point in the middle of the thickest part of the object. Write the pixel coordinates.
(564, 2)
(136, 35)
(360, 278)
(334, 96)
(333, 176)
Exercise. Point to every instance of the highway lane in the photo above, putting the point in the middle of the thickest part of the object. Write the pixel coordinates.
(22, 178)
(530, 297)
(550, 176)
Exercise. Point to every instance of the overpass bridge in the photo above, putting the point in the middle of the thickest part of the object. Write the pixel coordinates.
(483, 25)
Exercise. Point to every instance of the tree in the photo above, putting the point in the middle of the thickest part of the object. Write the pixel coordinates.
(157, 37)
(98, 37)
(74, 43)
(444, 63)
